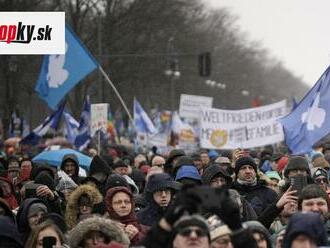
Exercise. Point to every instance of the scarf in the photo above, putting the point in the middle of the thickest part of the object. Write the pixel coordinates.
(242, 182)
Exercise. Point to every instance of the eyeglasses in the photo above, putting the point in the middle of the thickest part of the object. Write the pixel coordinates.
(320, 180)
(186, 232)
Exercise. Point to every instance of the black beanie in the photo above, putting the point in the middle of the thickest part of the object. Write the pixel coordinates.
(296, 163)
(119, 163)
(99, 165)
(115, 180)
(212, 171)
(246, 160)
(45, 179)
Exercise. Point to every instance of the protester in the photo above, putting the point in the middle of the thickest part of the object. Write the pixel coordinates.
(70, 165)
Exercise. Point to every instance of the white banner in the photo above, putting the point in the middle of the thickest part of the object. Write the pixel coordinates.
(99, 117)
(190, 105)
(246, 128)
(32, 32)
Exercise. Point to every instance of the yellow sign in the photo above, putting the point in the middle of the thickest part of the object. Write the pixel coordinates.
(219, 138)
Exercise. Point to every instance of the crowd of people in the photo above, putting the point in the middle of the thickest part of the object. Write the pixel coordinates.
(207, 199)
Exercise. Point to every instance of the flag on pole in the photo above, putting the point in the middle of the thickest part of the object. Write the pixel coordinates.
(71, 126)
(142, 122)
(84, 134)
(51, 121)
(60, 73)
(309, 121)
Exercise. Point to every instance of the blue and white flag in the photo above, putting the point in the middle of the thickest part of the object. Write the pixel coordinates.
(71, 126)
(310, 120)
(142, 122)
(60, 73)
(51, 121)
(84, 134)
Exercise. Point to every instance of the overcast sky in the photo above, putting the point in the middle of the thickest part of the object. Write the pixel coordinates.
(295, 31)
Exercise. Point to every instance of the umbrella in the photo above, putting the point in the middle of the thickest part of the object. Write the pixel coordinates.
(54, 157)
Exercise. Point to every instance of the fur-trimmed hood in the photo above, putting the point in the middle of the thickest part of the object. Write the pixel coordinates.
(71, 213)
(108, 227)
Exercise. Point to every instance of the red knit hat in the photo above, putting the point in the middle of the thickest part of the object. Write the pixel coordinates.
(282, 163)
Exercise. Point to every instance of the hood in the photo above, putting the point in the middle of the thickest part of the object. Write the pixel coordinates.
(9, 235)
(212, 171)
(41, 168)
(22, 214)
(99, 165)
(256, 226)
(71, 214)
(108, 227)
(73, 158)
(309, 224)
(45, 179)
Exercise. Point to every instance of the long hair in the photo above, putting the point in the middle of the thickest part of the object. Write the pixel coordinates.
(33, 238)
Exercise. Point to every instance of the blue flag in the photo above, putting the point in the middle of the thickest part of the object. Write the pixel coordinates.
(71, 126)
(142, 122)
(51, 121)
(310, 120)
(84, 135)
(60, 73)
(294, 103)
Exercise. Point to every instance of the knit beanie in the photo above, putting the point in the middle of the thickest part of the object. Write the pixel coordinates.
(316, 172)
(246, 160)
(35, 208)
(191, 220)
(119, 163)
(296, 163)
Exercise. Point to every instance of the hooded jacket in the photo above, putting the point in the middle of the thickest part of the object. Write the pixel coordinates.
(153, 212)
(129, 219)
(72, 208)
(9, 235)
(256, 226)
(22, 216)
(73, 158)
(109, 228)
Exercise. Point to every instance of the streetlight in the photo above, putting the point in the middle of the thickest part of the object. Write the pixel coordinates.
(172, 69)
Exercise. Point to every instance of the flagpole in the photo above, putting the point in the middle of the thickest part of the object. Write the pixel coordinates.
(117, 93)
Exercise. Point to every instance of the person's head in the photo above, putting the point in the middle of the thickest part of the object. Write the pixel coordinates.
(274, 180)
(96, 231)
(215, 176)
(313, 199)
(70, 165)
(320, 177)
(119, 202)
(188, 175)
(260, 234)
(219, 232)
(158, 161)
(85, 205)
(191, 231)
(296, 166)
(246, 169)
(13, 168)
(197, 160)
(138, 159)
(204, 157)
(36, 213)
(305, 230)
(120, 168)
(99, 169)
(45, 229)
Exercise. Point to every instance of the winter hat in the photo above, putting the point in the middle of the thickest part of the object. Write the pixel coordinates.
(256, 226)
(191, 220)
(38, 168)
(213, 171)
(119, 163)
(99, 165)
(309, 224)
(45, 179)
(296, 163)
(188, 171)
(276, 156)
(281, 163)
(316, 172)
(128, 160)
(161, 181)
(246, 160)
(273, 175)
(174, 154)
(183, 160)
(217, 228)
(35, 208)
(222, 160)
(312, 191)
(115, 180)
(213, 154)
(320, 162)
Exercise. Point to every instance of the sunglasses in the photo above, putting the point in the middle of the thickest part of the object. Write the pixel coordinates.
(186, 232)
(320, 180)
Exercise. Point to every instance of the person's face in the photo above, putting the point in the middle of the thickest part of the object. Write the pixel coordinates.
(222, 242)
(273, 184)
(217, 182)
(322, 181)
(297, 172)
(163, 197)
(198, 164)
(121, 170)
(318, 205)
(13, 174)
(36, 219)
(205, 159)
(191, 237)
(302, 241)
(247, 173)
(138, 159)
(158, 161)
(84, 210)
(94, 239)
(260, 239)
(121, 204)
(70, 168)
(26, 164)
(46, 233)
